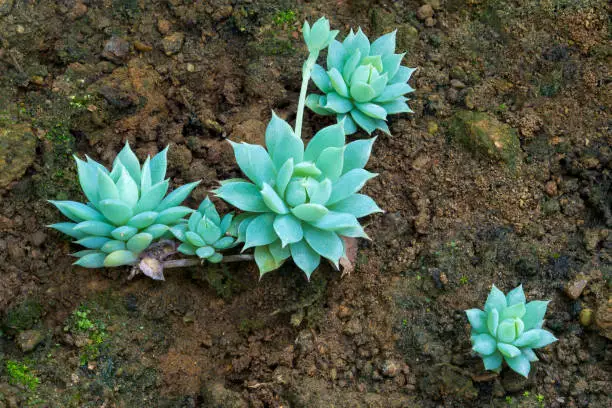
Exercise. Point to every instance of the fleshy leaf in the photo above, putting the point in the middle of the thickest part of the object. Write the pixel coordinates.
(156, 230)
(330, 162)
(357, 154)
(152, 199)
(205, 252)
(112, 246)
(320, 78)
(158, 166)
(124, 233)
(337, 82)
(177, 196)
(223, 243)
(336, 221)
(106, 187)
(195, 239)
(359, 205)
(260, 231)
(495, 300)
(322, 192)
(208, 230)
(207, 208)
(94, 260)
(348, 184)
(92, 242)
(326, 243)
(255, 163)
(187, 249)
(129, 160)
(338, 103)
(330, 136)
(98, 228)
(506, 331)
(309, 212)
(272, 200)
(77, 211)
(143, 219)
(508, 350)
(282, 144)
(306, 258)
(116, 211)
(545, 338)
(391, 63)
(288, 228)
(278, 251)
(335, 55)
(88, 176)
(119, 258)
(534, 313)
(68, 229)
(384, 44)
(243, 195)
(283, 177)
(516, 295)
(477, 319)
(139, 242)
(516, 310)
(172, 215)
(264, 260)
(393, 92)
(493, 321)
(493, 362)
(520, 364)
(483, 344)
(372, 110)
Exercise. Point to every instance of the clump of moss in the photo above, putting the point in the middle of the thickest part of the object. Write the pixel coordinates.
(24, 316)
(80, 324)
(20, 374)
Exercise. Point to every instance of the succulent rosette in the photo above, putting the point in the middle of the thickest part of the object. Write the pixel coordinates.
(205, 234)
(298, 202)
(127, 210)
(508, 330)
(363, 82)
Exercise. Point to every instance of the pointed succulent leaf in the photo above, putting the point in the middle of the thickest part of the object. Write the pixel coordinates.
(362, 92)
(306, 258)
(215, 258)
(283, 177)
(255, 162)
(483, 344)
(337, 103)
(384, 44)
(529, 354)
(349, 124)
(172, 215)
(116, 211)
(288, 228)
(516, 295)
(112, 246)
(516, 310)
(129, 160)
(493, 362)
(260, 231)
(195, 239)
(264, 260)
(306, 169)
(375, 61)
(119, 258)
(348, 184)
(326, 243)
(82, 253)
(88, 176)
(124, 233)
(493, 321)
(242, 228)
(372, 110)
(495, 300)
(296, 193)
(106, 187)
(242, 195)
(205, 252)
(322, 192)
(321, 79)
(338, 82)
(158, 166)
(95, 260)
(145, 176)
(194, 221)
(152, 199)
(355, 232)
(68, 229)
(330, 136)
(544, 339)
(282, 143)
(478, 320)
(365, 122)
(330, 162)
(207, 208)
(350, 65)
(179, 232)
(208, 230)
(336, 55)
(186, 249)
(403, 75)
(397, 106)
(336, 221)
(177, 196)
(156, 230)
(508, 350)
(534, 313)
(225, 223)
(393, 91)
(520, 364)
(506, 331)
(316, 104)
(278, 251)
(528, 338)
(391, 63)
(224, 243)
(309, 212)
(92, 242)
(272, 200)
(98, 228)
(359, 205)
(77, 211)
(143, 220)
(139, 242)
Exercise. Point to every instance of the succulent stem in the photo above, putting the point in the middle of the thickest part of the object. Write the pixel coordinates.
(306, 72)
(182, 263)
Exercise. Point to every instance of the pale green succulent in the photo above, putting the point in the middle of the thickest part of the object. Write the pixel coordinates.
(508, 329)
(206, 233)
(363, 82)
(298, 203)
(319, 36)
(127, 210)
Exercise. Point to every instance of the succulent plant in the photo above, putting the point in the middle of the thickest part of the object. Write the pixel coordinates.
(363, 82)
(127, 209)
(205, 233)
(298, 203)
(508, 329)
(319, 36)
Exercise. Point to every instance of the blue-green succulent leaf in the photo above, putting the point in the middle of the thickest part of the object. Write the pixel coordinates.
(215, 258)
(357, 42)
(260, 231)
(356, 232)
(77, 211)
(508, 350)
(520, 364)
(195, 239)
(177, 196)
(349, 124)
(171, 215)
(288, 228)
(95, 260)
(365, 122)
(152, 199)
(529, 354)
(158, 166)
(306, 169)
(283, 177)
(186, 249)
(68, 229)
(350, 65)
(528, 338)
(483, 344)
(336, 55)
(112, 246)
(225, 224)
(272, 200)
(255, 163)
(207, 208)
(124, 233)
(157, 230)
(88, 176)
(478, 320)
(92, 242)
(384, 45)
(348, 184)
(375, 61)
(330, 162)
(336, 221)
(205, 252)
(493, 321)
(397, 106)
(534, 313)
(98, 228)
(278, 251)
(516, 310)
(282, 143)
(179, 232)
(264, 260)
(321, 79)
(372, 110)
(316, 104)
(362, 92)
(129, 160)
(106, 187)
(357, 154)
(545, 338)
(493, 362)
(242, 195)
(506, 331)
(208, 230)
(516, 295)
(116, 211)
(309, 212)
(139, 242)
(495, 300)
(322, 192)
(145, 176)
(393, 92)
(338, 82)
(337, 103)
(119, 258)
(391, 63)
(224, 243)
(143, 219)
(128, 189)
(330, 136)
(403, 75)
(326, 243)
(306, 258)
(242, 228)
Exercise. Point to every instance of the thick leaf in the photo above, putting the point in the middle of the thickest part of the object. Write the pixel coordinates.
(139, 242)
(493, 362)
(337, 103)
(68, 229)
(338, 83)
(112, 246)
(129, 160)
(534, 314)
(92, 242)
(260, 231)
(365, 122)
(358, 205)
(495, 300)
(508, 350)
(520, 364)
(544, 339)
(316, 104)
(348, 184)
(336, 221)
(98, 228)
(306, 169)
(207, 208)
(506, 331)
(119, 258)
(172, 215)
(88, 178)
(106, 187)
(264, 260)
(357, 41)
(529, 354)
(158, 166)
(225, 223)
(375, 61)
(205, 252)
(477, 319)
(282, 144)
(516, 310)
(278, 251)
(194, 221)
(330, 136)
(357, 154)
(77, 211)
(143, 219)
(336, 55)
(309, 212)
(362, 91)
(94, 260)
(326, 243)
(322, 192)
(372, 110)
(330, 162)
(145, 176)
(306, 258)
(391, 63)
(215, 258)
(384, 45)
(349, 124)
(255, 163)
(152, 199)
(157, 230)
(116, 211)
(124, 233)
(483, 344)
(177, 196)
(350, 65)
(528, 338)
(179, 232)
(242, 228)
(224, 243)
(288, 228)
(378, 83)
(209, 231)
(186, 249)
(283, 177)
(393, 92)
(295, 193)
(195, 239)
(356, 232)
(399, 105)
(403, 75)
(245, 196)
(320, 78)
(493, 321)
(516, 295)
(272, 200)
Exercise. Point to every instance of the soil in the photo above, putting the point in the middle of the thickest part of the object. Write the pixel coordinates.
(501, 176)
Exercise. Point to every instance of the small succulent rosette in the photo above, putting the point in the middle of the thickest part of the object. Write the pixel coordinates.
(363, 82)
(319, 36)
(205, 234)
(508, 330)
(298, 202)
(127, 210)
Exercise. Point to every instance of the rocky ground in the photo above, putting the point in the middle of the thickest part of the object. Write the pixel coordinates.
(501, 176)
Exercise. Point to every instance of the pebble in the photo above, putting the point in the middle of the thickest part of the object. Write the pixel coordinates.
(586, 317)
(173, 43)
(551, 188)
(38, 238)
(435, 4)
(163, 26)
(116, 50)
(574, 289)
(79, 10)
(424, 12)
(390, 368)
(344, 312)
(28, 340)
(457, 84)
(430, 22)
(142, 47)
(352, 327)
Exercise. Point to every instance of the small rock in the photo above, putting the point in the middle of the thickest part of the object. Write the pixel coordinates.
(352, 327)
(586, 317)
(551, 188)
(142, 47)
(430, 22)
(216, 395)
(592, 237)
(222, 13)
(163, 26)
(424, 12)
(28, 340)
(603, 318)
(38, 238)
(173, 43)
(457, 84)
(344, 312)
(20, 29)
(116, 50)
(79, 10)
(390, 368)
(435, 4)
(17, 152)
(574, 289)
